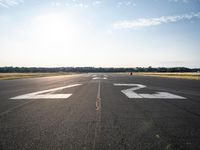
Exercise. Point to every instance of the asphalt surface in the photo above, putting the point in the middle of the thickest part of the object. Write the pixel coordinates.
(98, 116)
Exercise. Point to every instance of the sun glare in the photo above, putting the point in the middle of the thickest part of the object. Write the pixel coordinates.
(55, 27)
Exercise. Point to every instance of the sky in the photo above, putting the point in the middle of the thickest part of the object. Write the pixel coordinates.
(100, 33)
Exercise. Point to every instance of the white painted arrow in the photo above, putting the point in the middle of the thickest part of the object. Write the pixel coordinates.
(41, 95)
(130, 93)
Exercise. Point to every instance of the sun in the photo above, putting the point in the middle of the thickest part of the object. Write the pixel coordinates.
(55, 27)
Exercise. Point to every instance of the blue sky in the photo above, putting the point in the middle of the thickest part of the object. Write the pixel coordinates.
(100, 33)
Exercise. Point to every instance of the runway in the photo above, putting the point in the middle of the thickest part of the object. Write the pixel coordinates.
(99, 111)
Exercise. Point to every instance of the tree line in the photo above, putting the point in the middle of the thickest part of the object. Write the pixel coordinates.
(93, 69)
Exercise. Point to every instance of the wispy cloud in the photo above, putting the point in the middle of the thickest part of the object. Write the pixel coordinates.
(125, 3)
(96, 2)
(10, 3)
(184, 1)
(146, 22)
(82, 5)
(77, 3)
(74, 4)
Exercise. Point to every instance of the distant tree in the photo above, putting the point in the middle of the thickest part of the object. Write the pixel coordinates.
(92, 69)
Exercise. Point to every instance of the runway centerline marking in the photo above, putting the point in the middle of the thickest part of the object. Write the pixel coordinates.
(45, 94)
(98, 117)
(130, 93)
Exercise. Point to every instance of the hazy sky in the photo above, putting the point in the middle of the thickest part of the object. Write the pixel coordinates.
(100, 33)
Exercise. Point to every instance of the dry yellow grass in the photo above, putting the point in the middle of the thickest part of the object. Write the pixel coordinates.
(10, 76)
(184, 75)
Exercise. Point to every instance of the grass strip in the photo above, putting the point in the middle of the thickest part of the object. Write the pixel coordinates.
(12, 76)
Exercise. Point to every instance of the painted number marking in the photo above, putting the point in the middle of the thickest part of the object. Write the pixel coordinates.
(130, 93)
(46, 94)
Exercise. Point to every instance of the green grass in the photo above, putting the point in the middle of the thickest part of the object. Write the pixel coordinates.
(185, 75)
(10, 76)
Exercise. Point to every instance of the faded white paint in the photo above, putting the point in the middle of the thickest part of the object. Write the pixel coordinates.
(98, 117)
(99, 78)
(130, 93)
(42, 95)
